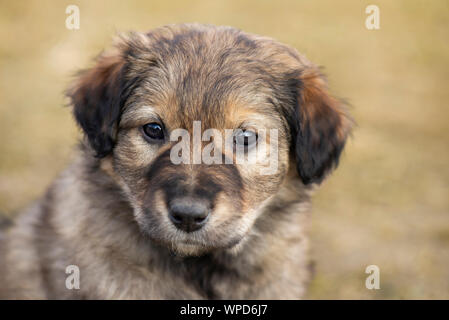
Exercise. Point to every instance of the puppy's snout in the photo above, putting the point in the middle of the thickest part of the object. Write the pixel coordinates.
(188, 214)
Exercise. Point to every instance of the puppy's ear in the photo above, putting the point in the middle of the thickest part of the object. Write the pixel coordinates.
(322, 127)
(97, 98)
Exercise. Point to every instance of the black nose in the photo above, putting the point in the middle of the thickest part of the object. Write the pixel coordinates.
(188, 215)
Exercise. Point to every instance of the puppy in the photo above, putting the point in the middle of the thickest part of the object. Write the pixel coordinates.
(139, 216)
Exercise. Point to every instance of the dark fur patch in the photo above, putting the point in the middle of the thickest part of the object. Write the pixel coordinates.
(98, 97)
(209, 180)
(4, 222)
(321, 127)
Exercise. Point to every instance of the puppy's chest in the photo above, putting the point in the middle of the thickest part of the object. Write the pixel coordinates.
(215, 279)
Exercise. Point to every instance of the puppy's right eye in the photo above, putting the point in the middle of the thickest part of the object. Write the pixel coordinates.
(153, 132)
(246, 138)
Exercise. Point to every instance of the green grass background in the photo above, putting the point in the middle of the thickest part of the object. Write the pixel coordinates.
(388, 202)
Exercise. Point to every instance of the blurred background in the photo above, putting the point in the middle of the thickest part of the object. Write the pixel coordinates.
(387, 204)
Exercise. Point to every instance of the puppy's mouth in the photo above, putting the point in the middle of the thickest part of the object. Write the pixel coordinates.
(162, 231)
(190, 244)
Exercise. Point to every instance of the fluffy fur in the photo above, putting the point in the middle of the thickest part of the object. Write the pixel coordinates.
(107, 212)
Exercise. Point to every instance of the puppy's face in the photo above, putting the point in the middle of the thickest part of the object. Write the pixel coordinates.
(201, 125)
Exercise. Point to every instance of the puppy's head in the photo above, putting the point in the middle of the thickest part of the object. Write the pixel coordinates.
(147, 106)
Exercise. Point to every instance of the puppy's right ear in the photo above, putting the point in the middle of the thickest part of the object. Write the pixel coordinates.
(97, 97)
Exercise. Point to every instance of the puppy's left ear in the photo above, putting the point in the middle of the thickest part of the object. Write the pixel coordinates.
(322, 127)
(97, 98)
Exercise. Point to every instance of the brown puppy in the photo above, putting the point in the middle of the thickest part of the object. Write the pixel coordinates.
(137, 224)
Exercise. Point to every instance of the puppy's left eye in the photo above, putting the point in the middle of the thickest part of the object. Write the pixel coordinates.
(153, 131)
(246, 138)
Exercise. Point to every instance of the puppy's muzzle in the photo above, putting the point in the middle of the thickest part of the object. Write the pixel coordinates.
(188, 214)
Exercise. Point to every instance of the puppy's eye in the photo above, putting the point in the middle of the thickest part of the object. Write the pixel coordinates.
(246, 138)
(153, 131)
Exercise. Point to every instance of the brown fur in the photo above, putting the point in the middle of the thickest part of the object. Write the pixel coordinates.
(107, 212)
